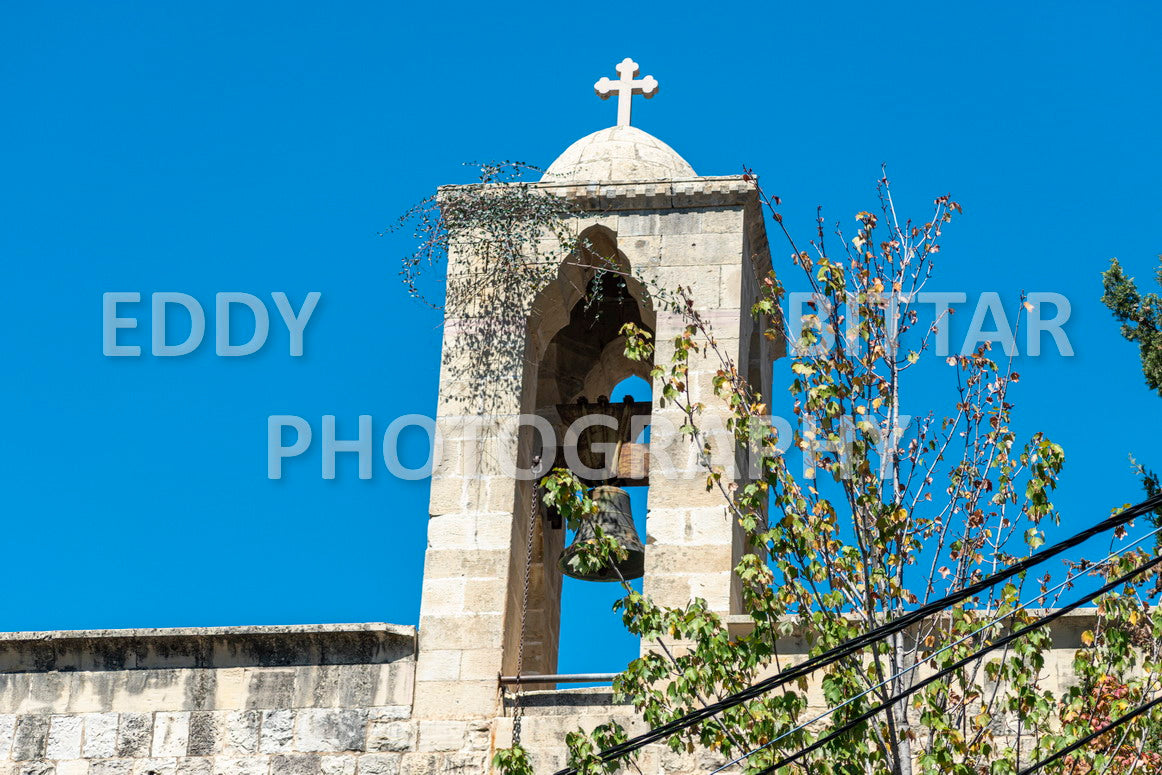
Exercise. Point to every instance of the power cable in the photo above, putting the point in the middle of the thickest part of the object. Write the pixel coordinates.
(1041, 622)
(872, 636)
(1127, 717)
(987, 625)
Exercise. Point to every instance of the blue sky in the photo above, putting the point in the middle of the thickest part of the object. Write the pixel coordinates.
(260, 147)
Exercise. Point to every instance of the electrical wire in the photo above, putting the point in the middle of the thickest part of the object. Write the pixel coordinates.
(987, 625)
(872, 636)
(1127, 717)
(1041, 622)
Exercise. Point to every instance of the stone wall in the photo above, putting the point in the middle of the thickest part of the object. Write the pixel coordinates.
(309, 700)
(550, 715)
(224, 701)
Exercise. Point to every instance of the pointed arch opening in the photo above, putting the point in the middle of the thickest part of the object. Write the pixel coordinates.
(576, 353)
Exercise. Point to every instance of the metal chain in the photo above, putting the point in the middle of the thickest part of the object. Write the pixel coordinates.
(524, 605)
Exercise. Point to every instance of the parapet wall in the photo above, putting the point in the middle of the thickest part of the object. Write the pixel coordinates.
(207, 701)
(550, 715)
(307, 700)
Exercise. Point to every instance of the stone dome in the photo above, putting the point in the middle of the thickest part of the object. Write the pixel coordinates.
(616, 154)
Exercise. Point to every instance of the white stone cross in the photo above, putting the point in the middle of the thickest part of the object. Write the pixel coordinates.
(625, 87)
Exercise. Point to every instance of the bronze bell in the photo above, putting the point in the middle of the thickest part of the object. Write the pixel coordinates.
(615, 518)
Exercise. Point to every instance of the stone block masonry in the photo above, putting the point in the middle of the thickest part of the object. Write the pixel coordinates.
(309, 700)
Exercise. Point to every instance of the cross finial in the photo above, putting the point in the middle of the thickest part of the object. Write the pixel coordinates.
(625, 87)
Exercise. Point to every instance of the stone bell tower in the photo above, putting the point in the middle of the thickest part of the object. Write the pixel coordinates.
(507, 355)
